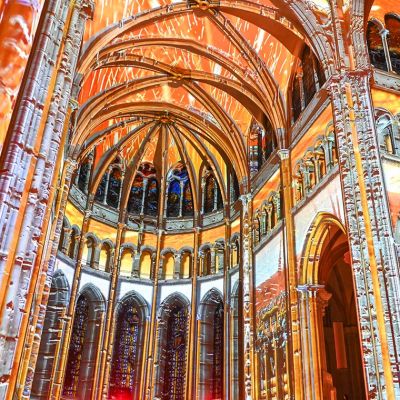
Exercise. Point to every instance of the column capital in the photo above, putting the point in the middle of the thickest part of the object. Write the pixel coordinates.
(283, 154)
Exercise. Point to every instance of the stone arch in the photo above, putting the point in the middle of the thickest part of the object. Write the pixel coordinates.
(56, 308)
(147, 254)
(175, 305)
(126, 260)
(326, 258)
(212, 347)
(106, 255)
(91, 251)
(86, 332)
(131, 314)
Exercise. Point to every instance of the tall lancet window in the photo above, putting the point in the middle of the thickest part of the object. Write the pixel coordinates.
(125, 356)
(212, 199)
(114, 187)
(179, 196)
(218, 361)
(143, 198)
(76, 347)
(393, 26)
(175, 371)
(375, 46)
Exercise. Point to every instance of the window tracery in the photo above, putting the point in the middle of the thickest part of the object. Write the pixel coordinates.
(212, 198)
(175, 369)
(143, 198)
(262, 144)
(218, 354)
(75, 353)
(309, 78)
(383, 41)
(126, 348)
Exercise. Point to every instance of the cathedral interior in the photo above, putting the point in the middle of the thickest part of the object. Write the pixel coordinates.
(199, 199)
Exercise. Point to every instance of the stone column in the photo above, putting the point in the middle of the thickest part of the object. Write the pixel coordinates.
(106, 352)
(246, 273)
(372, 248)
(29, 163)
(293, 341)
(384, 34)
(109, 170)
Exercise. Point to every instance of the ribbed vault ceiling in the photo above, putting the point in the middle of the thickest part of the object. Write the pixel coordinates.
(205, 70)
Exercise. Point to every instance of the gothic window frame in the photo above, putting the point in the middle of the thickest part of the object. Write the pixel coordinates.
(168, 305)
(176, 206)
(84, 381)
(55, 310)
(145, 175)
(133, 372)
(211, 368)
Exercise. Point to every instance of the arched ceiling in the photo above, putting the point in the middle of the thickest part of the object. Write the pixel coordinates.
(204, 69)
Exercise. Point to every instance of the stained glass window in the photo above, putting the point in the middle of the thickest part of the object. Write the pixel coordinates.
(234, 189)
(83, 177)
(175, 371)
(144, 191)
(76, 347)
(209, 193)
(151, 204)
(375, 47)
(101, 189)
(125, 357)
(174, 195)
(180, 201)
(218, 352)
(307, 63)
(393, 26)
(114, 188)
(296, 99)
(136, 195)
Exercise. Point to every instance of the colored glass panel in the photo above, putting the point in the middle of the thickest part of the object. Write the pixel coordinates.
(136, 195)
(76, 347)
(375, 47)
(175, 371)
(125, 356)
(393, 26)
(218, 355)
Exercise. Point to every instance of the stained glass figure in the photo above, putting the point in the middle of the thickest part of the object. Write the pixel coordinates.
(125, 356)
(218, 355)
(101, 189)
(73, 367)
(136, 196)
(174, 195)
(180, 200)
(209, 193)
(393, 26)
(151, 203)
(114, 188)
(175, 370)
(375, 47)
(83, 177)
(144, 194)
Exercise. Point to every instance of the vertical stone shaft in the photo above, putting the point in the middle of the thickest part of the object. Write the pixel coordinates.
(192, 339)
(246, 272)
(30, 161)
(374, 260)
(59, 368)
(151, 355)
(296, 378)
(43, 286)
(106, 352)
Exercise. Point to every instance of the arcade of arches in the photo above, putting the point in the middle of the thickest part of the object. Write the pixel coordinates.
(200, 199)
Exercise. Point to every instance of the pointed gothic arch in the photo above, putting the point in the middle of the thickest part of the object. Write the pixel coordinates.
(80, 370)
(171, 370)
(212, 346)
(126, 372)
(330, 333)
